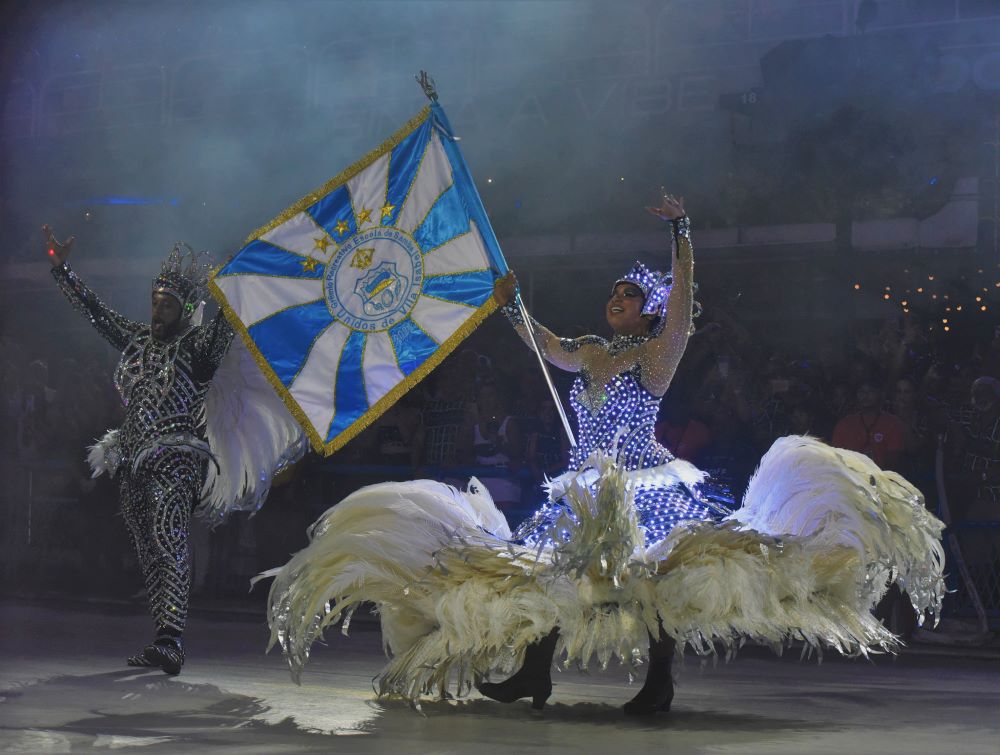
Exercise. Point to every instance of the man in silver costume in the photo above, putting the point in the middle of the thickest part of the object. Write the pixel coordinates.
(159, 454)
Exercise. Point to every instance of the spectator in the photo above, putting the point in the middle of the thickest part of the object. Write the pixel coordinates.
(392, 438)
(975, 445)
(494, 440)
(548, 446)
(918, 449)
(871, 431)
(446, 409)
(685, 436)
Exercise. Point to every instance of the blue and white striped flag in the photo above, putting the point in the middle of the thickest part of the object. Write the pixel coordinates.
(355, 293)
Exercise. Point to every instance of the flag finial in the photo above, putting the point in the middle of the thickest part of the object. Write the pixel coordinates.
(427, 84)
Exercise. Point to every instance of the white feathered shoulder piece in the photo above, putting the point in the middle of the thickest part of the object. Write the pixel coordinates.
(252, 434)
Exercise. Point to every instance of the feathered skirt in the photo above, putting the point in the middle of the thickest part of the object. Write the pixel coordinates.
(820, 536)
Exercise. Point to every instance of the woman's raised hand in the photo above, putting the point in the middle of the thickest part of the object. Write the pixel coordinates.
(58, 253)
(671, 207)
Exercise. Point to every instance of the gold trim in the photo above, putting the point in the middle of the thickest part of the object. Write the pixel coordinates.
(341, 178)
(276, 312)
(445, 190)
(280, 277)
(290, 403)
(376, 410)
(308, 255)
(430, 209)
(413, 182)
(383, 404)
(443, 244)
(334, 321)
(421, 328)
(439, 298)
(379, 407)
(458, 272)
(333, 386)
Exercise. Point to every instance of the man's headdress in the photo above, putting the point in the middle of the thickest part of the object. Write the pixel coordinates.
(184, 275)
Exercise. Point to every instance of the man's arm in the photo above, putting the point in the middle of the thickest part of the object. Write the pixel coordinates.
(213, 342)
(115, 328)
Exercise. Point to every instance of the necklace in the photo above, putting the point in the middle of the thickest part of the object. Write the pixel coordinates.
(623, 342)
(869, 428)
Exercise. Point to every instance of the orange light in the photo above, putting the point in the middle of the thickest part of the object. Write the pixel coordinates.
(930, 277)
(982, 308)
(934, 296)
(946, 328)
(920, 290)
(857, 286)
(886, 297)
(888, 288)
(904, 302)
(958, 308)
(907, 311)
(944, 320)
(979, 298)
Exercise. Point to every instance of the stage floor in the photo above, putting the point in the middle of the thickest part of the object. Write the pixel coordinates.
(65, 688)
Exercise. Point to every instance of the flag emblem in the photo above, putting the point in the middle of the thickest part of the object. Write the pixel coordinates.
(357, 291)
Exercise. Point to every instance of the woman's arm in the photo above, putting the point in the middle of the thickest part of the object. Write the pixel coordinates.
(565, 353)
(660, 356)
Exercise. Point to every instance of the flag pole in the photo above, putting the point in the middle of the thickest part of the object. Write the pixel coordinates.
(474, 204)
(545, 370)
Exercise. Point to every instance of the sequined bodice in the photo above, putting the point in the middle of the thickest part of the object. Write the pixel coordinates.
(162, 384)
(619, 408)
(160, 390)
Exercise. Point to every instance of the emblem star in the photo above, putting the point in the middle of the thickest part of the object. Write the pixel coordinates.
(322, 243)
(308, 264)
(341, 226)
(387, 210)
(365, 216)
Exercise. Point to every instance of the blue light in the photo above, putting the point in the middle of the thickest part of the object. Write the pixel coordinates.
(933, 181)
(119, 199)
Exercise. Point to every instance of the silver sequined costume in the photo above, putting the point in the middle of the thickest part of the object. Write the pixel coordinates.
(616, 399)
(159, 453)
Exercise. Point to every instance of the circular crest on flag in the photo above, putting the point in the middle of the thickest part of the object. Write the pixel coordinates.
(374, 280)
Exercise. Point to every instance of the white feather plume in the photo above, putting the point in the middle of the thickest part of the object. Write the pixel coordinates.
(252, 434)
(102, 456)
(457, 600)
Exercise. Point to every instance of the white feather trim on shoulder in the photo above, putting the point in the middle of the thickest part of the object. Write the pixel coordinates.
(105, 455)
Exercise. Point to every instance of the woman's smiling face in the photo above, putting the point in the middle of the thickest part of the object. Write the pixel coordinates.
(624, 310)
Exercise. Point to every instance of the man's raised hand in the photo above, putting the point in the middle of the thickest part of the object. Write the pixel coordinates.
(58, 253)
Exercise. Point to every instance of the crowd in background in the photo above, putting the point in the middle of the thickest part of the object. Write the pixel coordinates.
(884, 389)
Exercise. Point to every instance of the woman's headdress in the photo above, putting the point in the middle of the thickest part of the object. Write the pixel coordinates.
(655, 287)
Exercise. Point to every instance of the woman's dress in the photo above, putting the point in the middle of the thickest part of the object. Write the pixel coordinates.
(626, 545)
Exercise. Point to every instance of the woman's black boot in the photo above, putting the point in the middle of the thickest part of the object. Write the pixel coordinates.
(658, 691)
(533, 679)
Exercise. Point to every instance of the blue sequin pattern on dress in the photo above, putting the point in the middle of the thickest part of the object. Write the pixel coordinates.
(619, 417)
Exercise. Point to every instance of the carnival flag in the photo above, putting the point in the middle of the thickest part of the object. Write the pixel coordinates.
(353, 294)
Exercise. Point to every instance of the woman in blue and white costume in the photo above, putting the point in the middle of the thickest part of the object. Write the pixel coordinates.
(632, 557)
(622, 381)
(616, 399)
